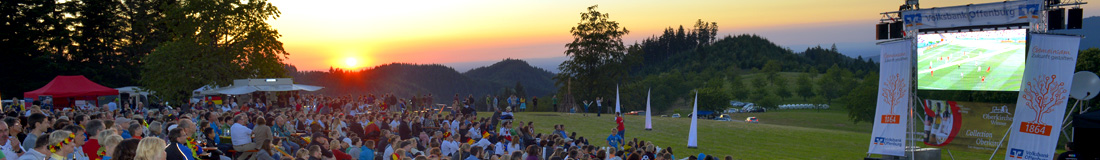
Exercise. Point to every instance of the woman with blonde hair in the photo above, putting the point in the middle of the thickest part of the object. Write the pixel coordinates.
(108, 146)
(151, 148)
(61, 144)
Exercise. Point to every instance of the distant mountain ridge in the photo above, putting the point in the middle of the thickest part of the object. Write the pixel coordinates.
(406, 80)
(510, 71)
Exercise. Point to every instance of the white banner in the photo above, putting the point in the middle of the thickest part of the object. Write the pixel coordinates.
(1043, 96)
(996, 13)
(888, 136)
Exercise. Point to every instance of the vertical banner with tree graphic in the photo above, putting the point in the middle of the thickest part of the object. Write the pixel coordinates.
(888, 135)
(1043, 95)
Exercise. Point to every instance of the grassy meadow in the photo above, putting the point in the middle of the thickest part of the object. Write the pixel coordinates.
(790, 134)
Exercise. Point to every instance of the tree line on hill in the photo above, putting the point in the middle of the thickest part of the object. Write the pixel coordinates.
(678, 62)
(168, 46)
(505, 78)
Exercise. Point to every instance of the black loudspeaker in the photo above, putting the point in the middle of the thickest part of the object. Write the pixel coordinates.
(882, 31)
(1056, 19)
(1074, 18)
(895, 30)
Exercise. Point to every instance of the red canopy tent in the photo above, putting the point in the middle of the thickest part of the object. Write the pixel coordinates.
(62, 87)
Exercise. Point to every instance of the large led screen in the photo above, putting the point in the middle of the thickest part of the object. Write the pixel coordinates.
(980, 60)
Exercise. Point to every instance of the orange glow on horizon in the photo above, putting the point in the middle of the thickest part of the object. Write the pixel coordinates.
(320, 34)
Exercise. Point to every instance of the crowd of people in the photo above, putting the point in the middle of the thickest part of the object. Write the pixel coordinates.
(305, 127)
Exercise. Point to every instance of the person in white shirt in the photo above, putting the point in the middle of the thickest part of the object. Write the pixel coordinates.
(241, 136)
(483, 143)
(7, 148)
(449, 146)
(501, 146)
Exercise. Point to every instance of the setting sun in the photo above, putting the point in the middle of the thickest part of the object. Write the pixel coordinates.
(351, 62)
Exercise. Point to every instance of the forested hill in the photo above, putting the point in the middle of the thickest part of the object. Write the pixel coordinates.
(676, 63)
(406, 80)
(536, 81)
(741, 52)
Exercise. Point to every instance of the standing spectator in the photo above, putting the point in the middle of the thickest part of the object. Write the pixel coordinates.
(40, 124)
(151, 149)
(599, 106)
(78, 142)
(109, 144)
(614, 140)
(7, 149)
(40, 150)
(554, 101)
(535, 103)
(92, 146)
(61, 144)
(621, 127)
(122, 154)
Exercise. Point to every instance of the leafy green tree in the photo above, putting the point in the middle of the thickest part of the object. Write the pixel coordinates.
(597, 42)
(781, 88)
(817, 100)
(833, 83)
(519, 91)
(737, 88)
(713, 99)
(804, 88)
(214, 42)
(771, 102)
(1089, 60)
(771, 69)
(862, 100)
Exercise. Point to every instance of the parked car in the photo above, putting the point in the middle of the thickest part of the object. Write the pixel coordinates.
(636, 113)
(724, 117)
(751, 120)
(733, 110)
(675, 115)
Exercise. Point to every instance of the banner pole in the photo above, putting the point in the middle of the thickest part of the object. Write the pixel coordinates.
(949, 154)
(999, 144)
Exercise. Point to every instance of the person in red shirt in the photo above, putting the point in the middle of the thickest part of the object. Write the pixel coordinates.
(336, 152)
(298, 106)
(619, 120)
(91, 147)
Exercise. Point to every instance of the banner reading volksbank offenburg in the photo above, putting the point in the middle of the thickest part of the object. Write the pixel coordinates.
(1043, 95)
(996, 13)
(888, 135)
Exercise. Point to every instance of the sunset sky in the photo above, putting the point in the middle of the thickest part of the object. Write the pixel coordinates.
(362, 33)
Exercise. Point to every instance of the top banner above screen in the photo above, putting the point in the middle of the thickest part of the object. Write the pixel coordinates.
(996, 13)
(981, 61)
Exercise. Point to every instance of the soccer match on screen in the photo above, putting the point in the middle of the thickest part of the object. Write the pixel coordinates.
(981, 60)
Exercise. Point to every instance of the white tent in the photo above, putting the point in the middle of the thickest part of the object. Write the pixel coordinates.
(133, 90)
(237, 90)
(245, 86)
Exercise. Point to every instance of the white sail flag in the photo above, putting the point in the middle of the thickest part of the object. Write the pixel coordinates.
(1043, 96)
(648, 120)
(693, 133)
(617, 106)
(888, 135)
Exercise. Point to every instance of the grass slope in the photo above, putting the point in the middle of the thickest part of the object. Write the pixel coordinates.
(804, 134)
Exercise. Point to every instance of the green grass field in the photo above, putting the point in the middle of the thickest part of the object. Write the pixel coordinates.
(799, 134)
(960, 65)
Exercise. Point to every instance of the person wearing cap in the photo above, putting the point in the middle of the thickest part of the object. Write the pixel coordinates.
(123, 123)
